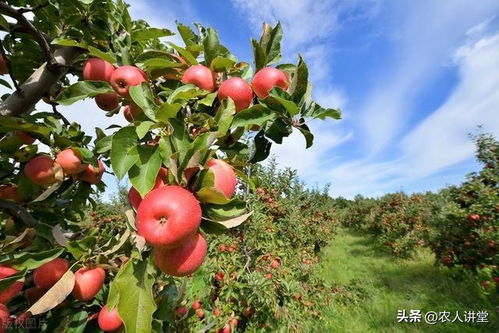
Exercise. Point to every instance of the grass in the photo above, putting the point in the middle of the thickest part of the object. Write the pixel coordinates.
(371, 286)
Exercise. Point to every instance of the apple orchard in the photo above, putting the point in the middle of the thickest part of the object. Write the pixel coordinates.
(199, 121)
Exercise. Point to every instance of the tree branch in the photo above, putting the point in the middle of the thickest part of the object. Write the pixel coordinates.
(58, 114)
(32, 30)
(19, 212)
(39, 83)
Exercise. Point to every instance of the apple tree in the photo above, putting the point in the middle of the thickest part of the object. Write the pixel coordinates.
(195, 124)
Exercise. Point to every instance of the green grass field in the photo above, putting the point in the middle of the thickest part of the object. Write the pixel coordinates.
(372, 286)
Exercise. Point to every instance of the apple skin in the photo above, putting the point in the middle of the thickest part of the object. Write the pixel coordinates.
(41, 170)
(70, 161)
(4, 318)
(3, 66)
(131, 112)
(107, 102)
(7, 294)
(275, 264)
(25, 137)
(88, 282)
(10, 192)
(167, 216)
(239, 90)
(134, 197)
(225, 177)
(125, 77)
(200, 76)
(109, 321)
(266, 79)
(92, 176)
(96, 69)
(49, 273)
(184, 259)
(33, 294)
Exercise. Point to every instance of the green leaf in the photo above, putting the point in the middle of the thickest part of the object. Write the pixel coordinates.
(143, 128)
(4, 24)
(5, 83)
(261, 148)
(309, 137)
(143, 174)
(159, 63)
(69, 42)
(7, 281)
(258, 55)
(208, 99)
(256, 115)
(280, 100)
(8, 124)
(224, 116)
(124, 152)
(185, 93)
(232, 209)
(212, 47)
(167, 111)
(103, 145)
(131, 291)
(107, 56)
(150, 33)
(221, 64)
(165, 150)
(211, 195)
(30, 260)
(81, 90)
(78, 322)
(185, 54)
(142, 96)
(242, 70)
(278, 130)
(319, 112)
(218, 227)
(299, 83)
(188, 36)
(271, 43)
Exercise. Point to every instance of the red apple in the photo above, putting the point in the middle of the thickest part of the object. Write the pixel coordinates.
(33, 294)
(225, 177)
(184, 259)
(134, 197)
(109, 321)
(222, 248)
(125, 77)
(217, 312)
(10, 192)
(268, 276)
(200, 314)
(91, 175)
(3, 66)
(107, 102)
(11, 291)
(25, 137)
(131, 112)
(41, 170)
(88, 282)
(4, 318)
(266, 79)
(220, 276)
(49, 273)
(196, 305)
(96, 69)
(200, 76)
(275, 264)
(70, 161)
(168, 216)
(181, 311)
(237, 89)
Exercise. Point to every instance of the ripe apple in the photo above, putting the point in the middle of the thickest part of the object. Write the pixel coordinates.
(268, 276)
(474, 217)
(447, 260)
(88, 282)
(125, 77)
(225, 177)
(275, 264)
(196, 305)
(96, 69)
(107, 102)
(222, 248)
(225, 329)
(217, 312)
(11, 291)
(134, 197)
(266, 79)
(131, 112)
(4, 318)
(41, 170)
(181, 311)
(33, 294)
(220, 276)
(25, 137)
(70, 161)
(200, 76)
(200, 314)
(49, 273)
(168, 216)
(184, 259)
(10, 192)
(3, 66)
(237, 89)
(109, 321)
(92, 176)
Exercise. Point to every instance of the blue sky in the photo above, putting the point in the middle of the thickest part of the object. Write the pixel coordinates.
(412, 78)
